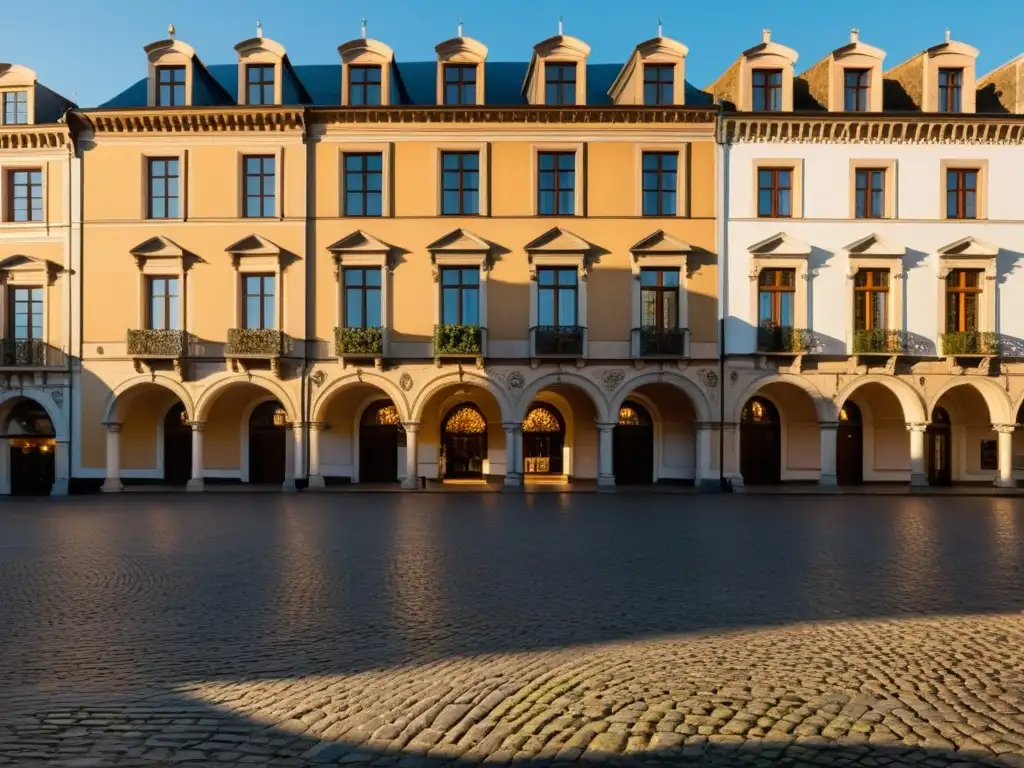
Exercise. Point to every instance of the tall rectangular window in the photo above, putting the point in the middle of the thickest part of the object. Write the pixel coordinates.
(776, 298)
(767, 90)
(963, 289)
(660, 179)
(460, 184)
(364, 86)
(774, 193)
(25, 195)
(259, 84)
(260, 186)
(26, 313)
(460, 84)
(961, 193)
(362, 297)
(870, 193)
(170, 86)
(364, 189)
(557, 296)
(559, 83)
(855, 90)
(659, 84)
(556, 183)
(460, 295)
(871, 300)
(164, 188)
(15, 108)
(260, 301)
(162, 313)
(950, 88)
(659, 299)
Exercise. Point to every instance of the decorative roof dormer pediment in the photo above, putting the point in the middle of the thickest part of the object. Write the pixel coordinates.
(780, 245)
(874, 245)
(848, 79)
(359, 249)
(16, 78)
(260, 60)
(170, 56)
(364, 51)
(771, 64)
(459, 53)
(941, 78)
(559, 49)
(628, 87)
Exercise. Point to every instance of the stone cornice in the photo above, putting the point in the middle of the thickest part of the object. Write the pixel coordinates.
(578, 115)
(35, 137)
(193, 120)
(874, 129)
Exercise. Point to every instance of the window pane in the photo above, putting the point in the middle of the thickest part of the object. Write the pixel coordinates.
(373, 204)
(669, 318)
(566, 307)
(353, 308)
(373, 313)
(566, 203)
(969, 205)
(670, 279)
(252, 312)
(786, 309)
(450, 305)
(764, 308)
(784, 202)
(567, 277)
(648, 277)
(951, 204)
(546, 307)
(649, 308)
(470, 307)
(372, 277)
(546, 276)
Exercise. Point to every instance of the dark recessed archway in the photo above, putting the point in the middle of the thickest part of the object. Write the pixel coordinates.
(760, 443)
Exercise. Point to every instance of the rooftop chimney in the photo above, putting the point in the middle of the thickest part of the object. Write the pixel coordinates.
(559, 25)
(362, 32)
(854, 35)
(460, 28)
(659, 26)
(947, 35)
(766, 35)
(259, 30)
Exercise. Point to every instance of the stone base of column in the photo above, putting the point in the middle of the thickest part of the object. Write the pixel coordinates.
(59, 487)
(829, 481)
(317, 481)
(713, 485)
(606, 484)
(513, 481)
(1008, 483)
(918, 480)
(111, 485)
(411, 483)
(735, 481)
(288, 486)
(195, 485)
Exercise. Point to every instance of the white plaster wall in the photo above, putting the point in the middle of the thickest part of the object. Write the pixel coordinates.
(826, 226)
(678, 450)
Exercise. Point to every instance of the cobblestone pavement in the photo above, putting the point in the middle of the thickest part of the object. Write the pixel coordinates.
(435, 630)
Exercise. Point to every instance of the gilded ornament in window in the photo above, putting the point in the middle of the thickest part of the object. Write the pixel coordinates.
(467, 421)
(541, 419)
(386, 415)
(629, 417)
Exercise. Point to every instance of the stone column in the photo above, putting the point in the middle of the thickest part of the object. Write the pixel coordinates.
(918, 476)
(61, 469)
(113, 482)
(294, 448)
(828, 453)
(197, 483)
(316, 479)
(1004, 433)
(605, 471)
(731, 436)
(412, 456)
(513, 454)
(705, 474)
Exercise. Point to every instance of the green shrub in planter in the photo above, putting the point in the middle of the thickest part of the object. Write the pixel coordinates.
(878, 340)
(358, 341)
(156, 343)
(451, 339)
(261, 342)
(969, 343)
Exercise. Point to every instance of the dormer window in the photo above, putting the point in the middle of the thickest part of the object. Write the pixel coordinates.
(170, 86)
(460, 83)
(560, 83)
(259, 84)
(659, 83)
(767, 90)
(15, 108)
(950, 89)
(855, 90)
(364, 86)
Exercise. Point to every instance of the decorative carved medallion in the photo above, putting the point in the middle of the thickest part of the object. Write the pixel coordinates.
(709, 377)
(318, 378)
(734, 376)
(612, 379)
(58, 397)
(516, 380)
(405, 382)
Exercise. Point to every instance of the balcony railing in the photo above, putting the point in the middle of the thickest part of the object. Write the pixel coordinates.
(359, 342)
(879, 341)
(783, 339)
(254, 343)
(30, 353)
(558, 340)
(651, 341)
(969, 343)
(454, 340)
(154, 344)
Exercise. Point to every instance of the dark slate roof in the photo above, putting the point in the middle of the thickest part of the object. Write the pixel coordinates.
(413, 83)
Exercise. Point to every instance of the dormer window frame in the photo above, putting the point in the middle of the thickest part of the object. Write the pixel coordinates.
(459, 84)
(366, 84)
(169, 53)
(950, 94)
(860, 89)
(659, 84)
(365, 52)
(659, 54)
(560, 50)
(11, 97)
(766, 58)
(16, 80)
(768, 88)
(561, 84)
(948, 56)
(173, 84)
(260, 52)
(262, 84)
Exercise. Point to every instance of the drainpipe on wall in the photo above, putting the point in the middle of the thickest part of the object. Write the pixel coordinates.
(722, 221)
(310, 245)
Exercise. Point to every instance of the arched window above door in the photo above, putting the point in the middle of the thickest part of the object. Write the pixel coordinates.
(542, 418)
(465, 420)
(759, 411)
(633, 415)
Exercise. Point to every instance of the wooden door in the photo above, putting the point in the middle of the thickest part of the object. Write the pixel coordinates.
(267, 446)
(940, 470)
(760, 443)
(177, 447)
(633, 446)
(850, 446)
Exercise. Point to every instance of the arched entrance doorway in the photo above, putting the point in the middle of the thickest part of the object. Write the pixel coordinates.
(268, 434)
(543, 440)
(177, 446)
(939, 449)
(378, 443)
(32, 445)
(760, 443)
(850, 446)
(633, 446)
(463, 442)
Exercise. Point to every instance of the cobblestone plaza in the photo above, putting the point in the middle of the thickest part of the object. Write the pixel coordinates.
(536, 630)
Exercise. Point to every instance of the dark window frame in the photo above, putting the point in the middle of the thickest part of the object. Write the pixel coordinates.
(462, 88)
(169, 300)
(364, 173)
(23, 179)
(463, 187)
(263, 296)
(556, 288)
(859, 91)
(661, 173)
(31, 303)
(262, 84)
(776, 289)
(964, 191)
(660, 290)
(775, 187)
(554, 182)
(867, 181)
(174, 86)
(867, 284)
(15, 103)
(460, 288)
(950, 91)
(363, 87)
(653, 77)
(166, 176)
(564, 87)
(364, 288)
(963, 287)
(262, 196)
(763, 85)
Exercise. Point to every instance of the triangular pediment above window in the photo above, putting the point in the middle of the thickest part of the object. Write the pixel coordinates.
(460, 241)
(874, 245)
(21, 264)
(359, 242)
(157, 248)
(660, 242)
(780, 244)
(256, 249)
(558, 240)
(969, 247)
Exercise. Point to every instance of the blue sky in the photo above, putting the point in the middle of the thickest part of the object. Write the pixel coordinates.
(91, 51)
